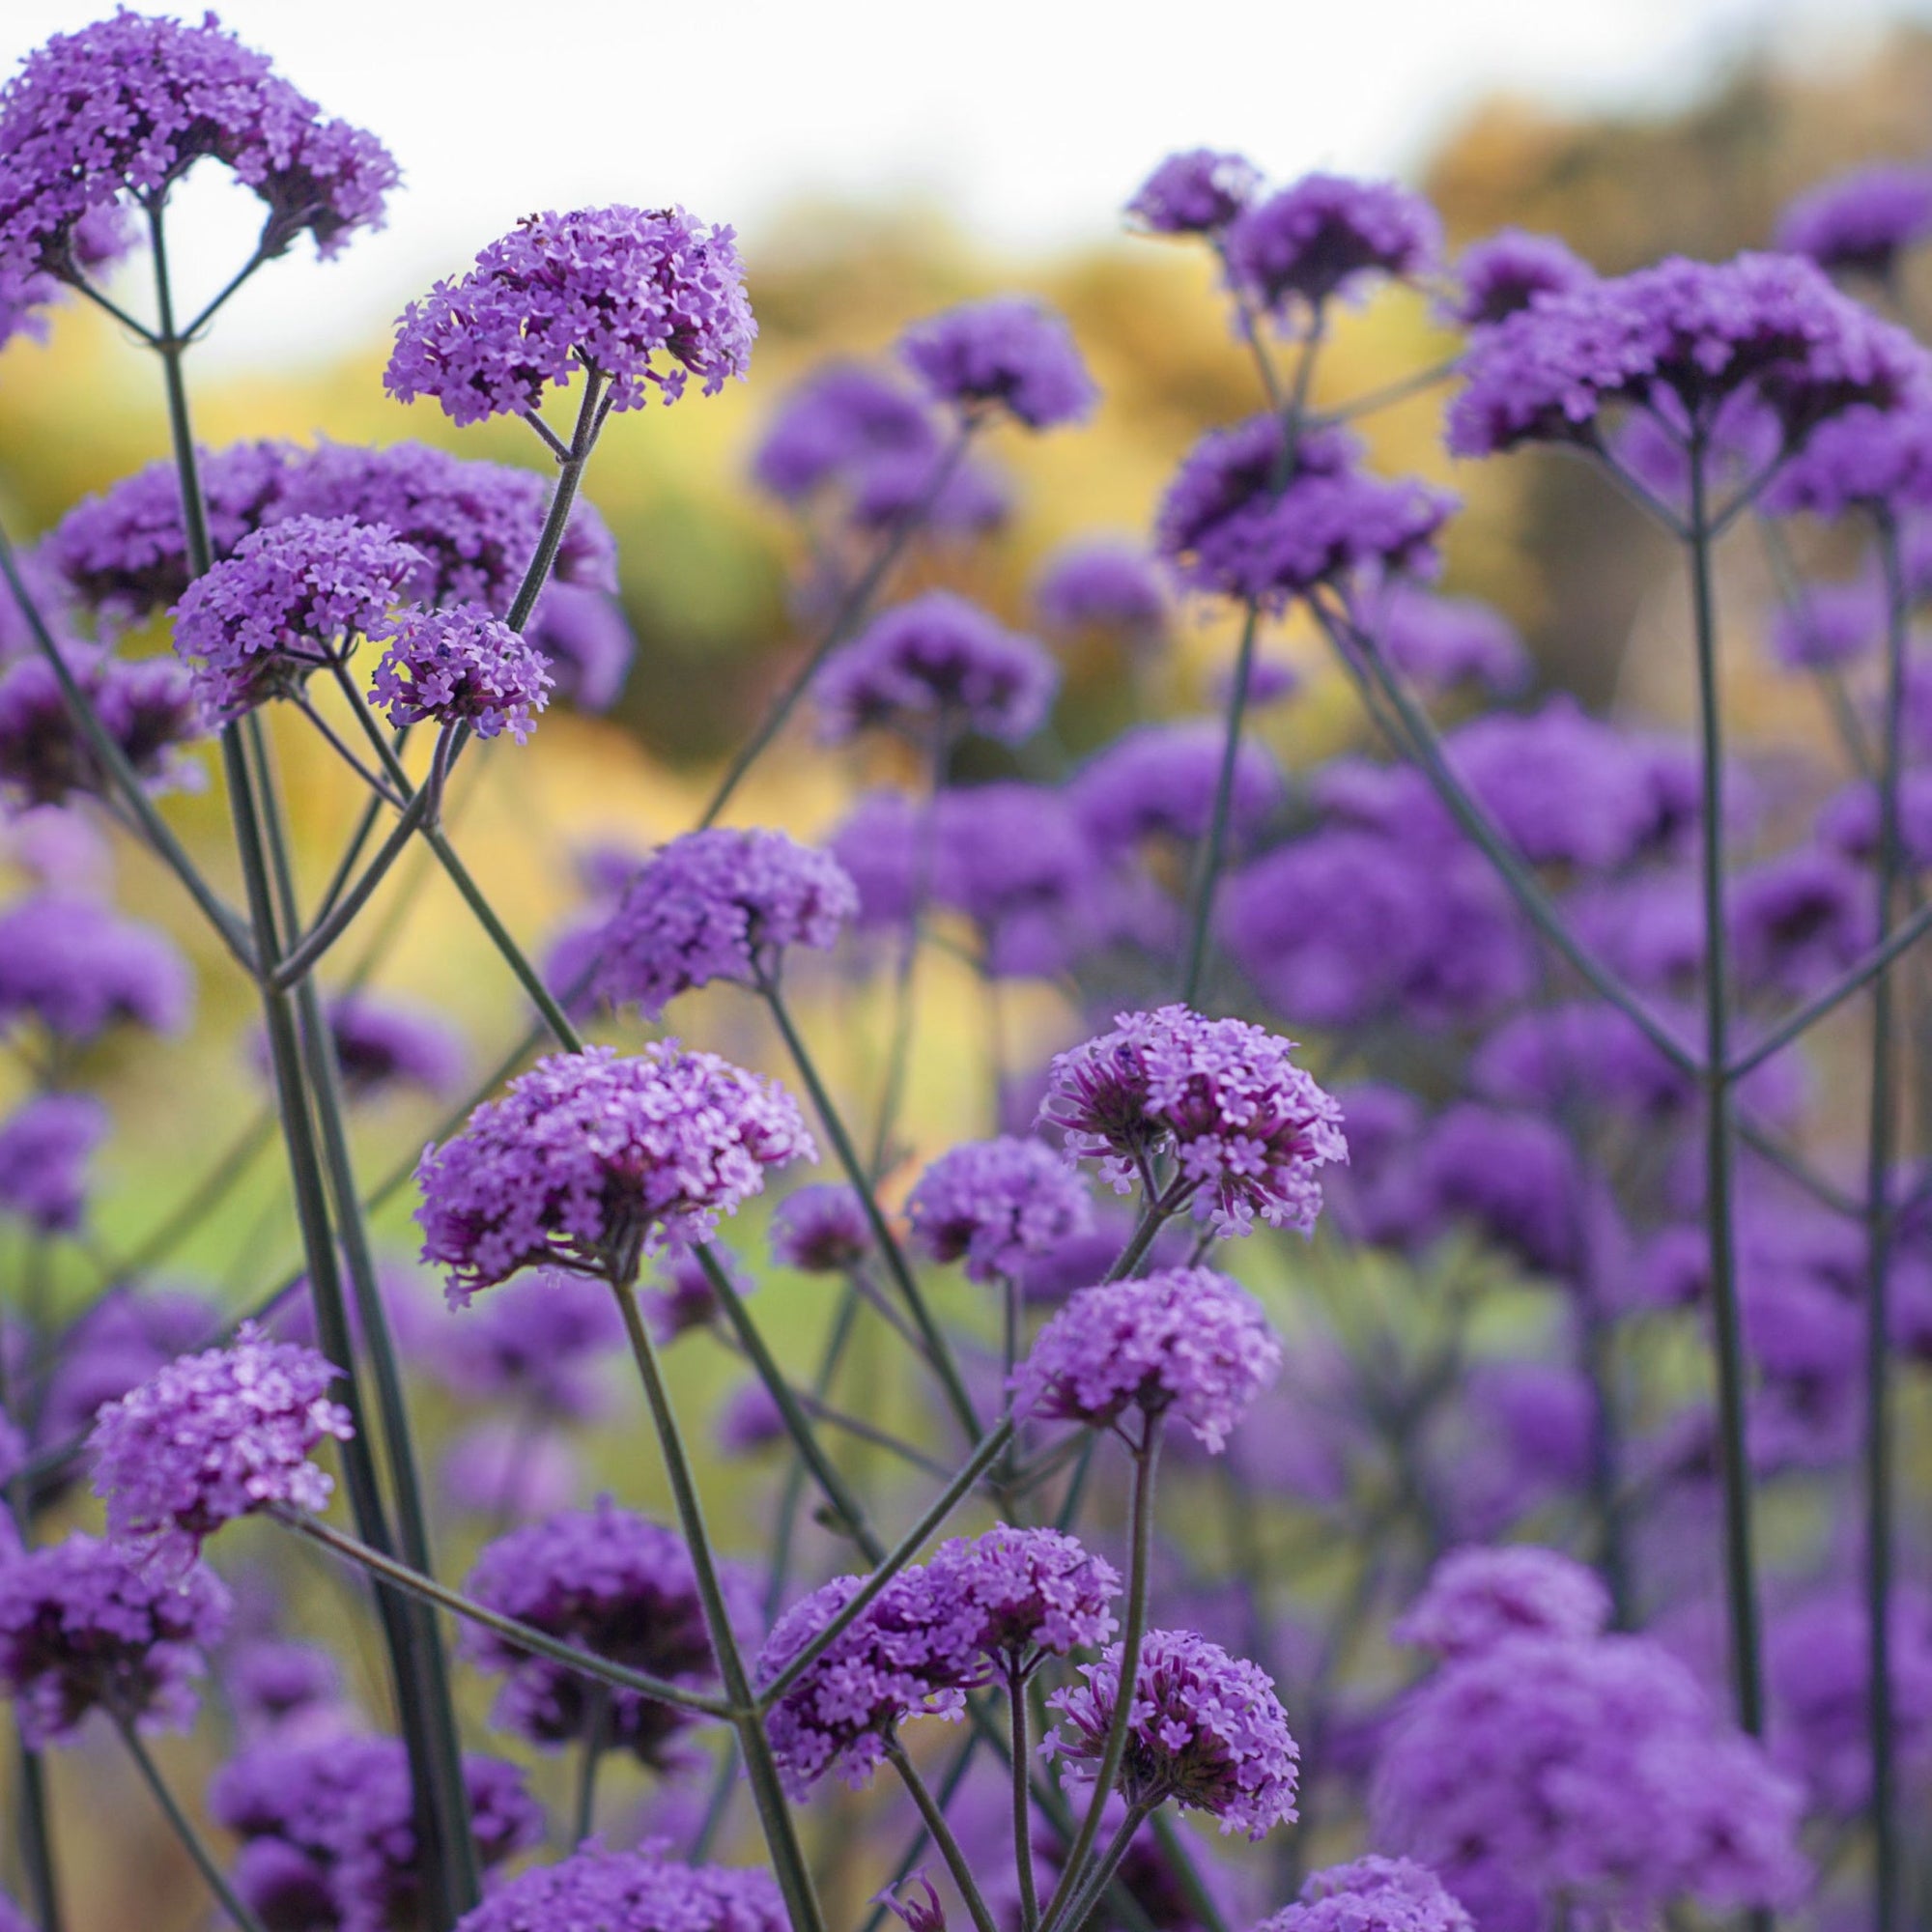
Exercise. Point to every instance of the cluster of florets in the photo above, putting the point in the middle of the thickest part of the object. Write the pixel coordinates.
(1256, 514)
(1476, 1597)
(1103, 586)
(292, 600)
(76, 968)
(640, 1890)
(1010, 355)
(1372, 1895)
(461, 666)
(618, 1587)
(46, 1145)
(383, 1043)
(1867, 459)
(123, 109)
(1686, 338)
(822, 1229)
(1507, 271)
(643, 299)
(1862, 220)
(1443, 641)
(115, 1346)
(995, 1203)
(538, 1342)
(1184, 1341)
(1246, 1129)
(1160, 780)
(588, 1158)
(938, 661)
(1326, 235)
(211, 1438)
(146, 707)
(1206, 1732)
(1198, 192)
(719, 904)
(1037, 1593)
(83, 1628)
(329, 1831)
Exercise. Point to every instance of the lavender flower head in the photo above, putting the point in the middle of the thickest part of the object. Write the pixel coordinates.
(383, 1043)
(719, 904)
(1827, 626)
(1443, 641)
(1185, 1341)
(1372, 1895)
(82, 1628)
(1326, 235)
(147, 707)
(587, 642)
(211, 1438)
(620, 1586)
(461, 666)
(590, 1158)
(1009, 353)
(1102, 587)
(1862, 220)
(537, 1343)
(76, 968)
(46, 1145)
(937, 659)
(643, 299)
(685, 1296)
(821, 1229)
(1036, 1592)
(290, 600)
(1864, 458)
(1507, 271)
(640, 1890)
(1246, 518)
(1197, 193)
(1208, 1732)
(836, 428)
(1159, 781)
(1475, 1598)
(996, 1203)
(125, 108)
(1246, 1128)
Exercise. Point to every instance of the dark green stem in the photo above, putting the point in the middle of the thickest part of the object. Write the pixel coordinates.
(940, 1834)
(556, 520)
(596, 1730)
(184, 1830)
(1214, 848)
(1017, 1704)
(1110, 1861)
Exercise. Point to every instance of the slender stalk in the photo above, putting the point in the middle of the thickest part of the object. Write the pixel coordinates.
(780, 1835)
(335, 741)
(902, 1867)
(193, 332)
(1739, 1572)
(1105, 1866)
(940, 1832)
(36, 1852)
(596, 1729)
(1213, 850)
(1017, 1704)
(183, 1828)
(556, 519)
(315, 943)
(86, 290)
(1073, 1874)
(845, 619)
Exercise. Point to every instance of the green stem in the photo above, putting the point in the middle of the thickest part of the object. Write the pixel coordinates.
(37, 1851)
(940, 1832)
(556, 519)
(1016, 1703)
(1110, 1861)
(306, 955)
(596, 1730)
(1213, 850)
(184, 1830)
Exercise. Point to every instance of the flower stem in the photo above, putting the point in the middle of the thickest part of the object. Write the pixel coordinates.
(1016, 1700)
(556, 519)
(596, 1732)
(183, 1828)
(1081, 1909)
(940, 1834)
(1213, 850)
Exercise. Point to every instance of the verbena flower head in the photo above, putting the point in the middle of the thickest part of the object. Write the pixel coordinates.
(1686, 338)
(1207, 1733)
(640, 1891)
(125, 108)
(1515, 1177)
(83, 1628)
(1476, 1597)
(214, 1437)
(620, 1586)
(1372, 1895)
(590, 1158)
(937, 660)
(1862, 220)
(685, 1296)
(148, 709)
(1036, 1592)
(820, 1229)
(1590, 1769)
(537, 1342)
(1326, 235)
(1865, 459)
(646, 299)
(719, 904)
(1246, 1128)
(115, 1346)
(1159, 781)
(836, 427)
(587, 643)
(290, 600)
(1507, 271)
(1827, 626)
(1244, 518)
(1443, 641)
(909, 1653)
(1011, 354)
(1185, 1341)
(1197, 193)
(76, 968)
(1111, 588)
(384, 1043)
(461, 666)
(46, 1145)
(995, 1203)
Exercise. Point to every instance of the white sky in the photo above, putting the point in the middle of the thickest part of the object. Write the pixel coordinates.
(1029, 121)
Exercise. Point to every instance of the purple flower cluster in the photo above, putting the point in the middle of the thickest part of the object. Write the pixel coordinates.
(643, 299)
(1247, 1131)
(147, 708)
(125, 108)
(1372, 1895)
(1009, 353)
(1206, 1732)
(1508, 271)
(537, 1342)
(1196, 192)
(1477, 1597)
(995, 1203)
(211, 1438)
(937, 660)
(115, 1346)
(1159, 781)
(461, 666)
(1864, 458)
(384, 1043)
(821, 1229)
(640, 1890)
(719, 904)
(1443, 641)
(1186, 1341)
(1326, 235)
(1106, 587)
(46, 1145)
(588, 1158)
(1862, 220)
(82, 1628)
(75, 968)
(618, 1587)
(290, 600)
(1035, 1592)
(1248, 515)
